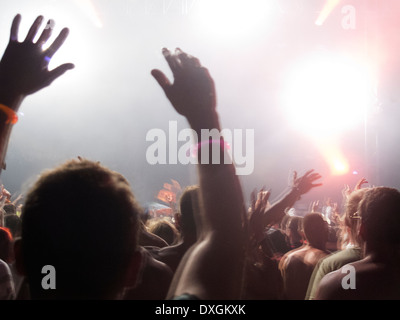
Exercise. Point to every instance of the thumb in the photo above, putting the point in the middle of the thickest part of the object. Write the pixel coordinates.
(59, 71)
(161, 78)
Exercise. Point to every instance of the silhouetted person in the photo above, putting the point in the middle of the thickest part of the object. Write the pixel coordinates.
(263, 277)
(13, 223)
(213, 267)
(278, 238)
(147, 238)
(163, 228)
(82, 219)
(352, 244)
(189, 202)
(293, 229)
(376, 276)
(150, 282)
(299, 263)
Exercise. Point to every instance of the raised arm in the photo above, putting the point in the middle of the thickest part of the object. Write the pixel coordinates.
(297, 188)
(213, 267)
(23, 71)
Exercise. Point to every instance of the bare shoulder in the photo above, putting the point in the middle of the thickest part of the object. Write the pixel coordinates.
(330, 287)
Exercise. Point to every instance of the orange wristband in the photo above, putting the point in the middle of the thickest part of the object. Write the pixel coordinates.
(11, 114)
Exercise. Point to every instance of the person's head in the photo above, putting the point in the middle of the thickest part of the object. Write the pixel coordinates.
(82, 219)
(10, 208)
(6, 241)
(380, 217)
(315, 230)
(284, 222)
(13, 222)
(188, 204)
(350, 218)
(163, 228)
(294, 227)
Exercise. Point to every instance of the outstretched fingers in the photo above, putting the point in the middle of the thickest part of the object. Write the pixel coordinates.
(360, 183)
(15, 28)
(313, 177)
(46, 34)
(173, 61)
(188, 60)
(58, 42)
(34, 29)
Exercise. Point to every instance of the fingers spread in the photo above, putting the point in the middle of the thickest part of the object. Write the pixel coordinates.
(34, 29)
(172, 61)
(57, 43)
(308, 172)
(316, 185)
(46, 34)
(188, 60)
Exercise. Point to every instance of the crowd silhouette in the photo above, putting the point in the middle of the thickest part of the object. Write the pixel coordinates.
(82, 218)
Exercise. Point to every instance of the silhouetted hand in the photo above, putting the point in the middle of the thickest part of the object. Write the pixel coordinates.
(315, 207)
(24, 66)
(259, 204)
(193, 92)
(360, 183)
(306, 182)
(346, 192)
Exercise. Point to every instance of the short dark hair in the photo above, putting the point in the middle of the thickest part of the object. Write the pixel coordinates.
(81, 218)
(10, 208)
(380, 214)
(315, 228)
(13, 222)
(189, 202)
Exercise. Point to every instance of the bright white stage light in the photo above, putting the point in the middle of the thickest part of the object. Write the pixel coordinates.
(340, 167)
(328, 95)
(232, 19)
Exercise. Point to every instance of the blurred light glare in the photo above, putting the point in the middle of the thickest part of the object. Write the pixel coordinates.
(327, 9)
(333, 155)
(89, 9)
(328, 95)
(340, 167)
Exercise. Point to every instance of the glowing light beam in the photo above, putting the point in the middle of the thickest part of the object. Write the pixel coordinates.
(328, 8)
(334, 157)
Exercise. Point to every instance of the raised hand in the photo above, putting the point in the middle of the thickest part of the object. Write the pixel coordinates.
(24, 66)
(192, 92)
(346, 192)
(360, 183)
(306, 182)
(315, 206)
(259, 204)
